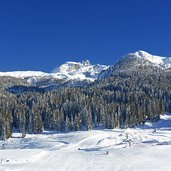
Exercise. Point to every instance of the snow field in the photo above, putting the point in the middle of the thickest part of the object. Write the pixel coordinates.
(143, 148)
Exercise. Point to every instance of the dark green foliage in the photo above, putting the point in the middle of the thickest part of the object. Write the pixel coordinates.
(124, 99)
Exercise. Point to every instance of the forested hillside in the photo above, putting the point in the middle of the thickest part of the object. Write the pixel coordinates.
(128, 95)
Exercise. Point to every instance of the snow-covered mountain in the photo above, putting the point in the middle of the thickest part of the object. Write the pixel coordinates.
(85, 71)
(24, 74)
(162, 62)
(68, 71)
(139, 59)
(79, 71)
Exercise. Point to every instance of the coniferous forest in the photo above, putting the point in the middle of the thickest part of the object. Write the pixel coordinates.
(125, 98)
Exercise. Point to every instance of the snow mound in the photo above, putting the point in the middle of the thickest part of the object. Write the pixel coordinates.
(107, 142)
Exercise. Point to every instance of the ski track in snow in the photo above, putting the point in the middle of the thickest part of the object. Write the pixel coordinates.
(143, 148)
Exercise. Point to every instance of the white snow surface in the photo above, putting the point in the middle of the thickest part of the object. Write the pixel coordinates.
(143, 148)
(80, 70)
(24, 74)
(69, 70)
(163, 62)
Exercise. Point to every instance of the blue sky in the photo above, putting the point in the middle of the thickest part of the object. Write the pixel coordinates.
(41, 34)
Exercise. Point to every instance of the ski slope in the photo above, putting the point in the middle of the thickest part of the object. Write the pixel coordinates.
(143, 148)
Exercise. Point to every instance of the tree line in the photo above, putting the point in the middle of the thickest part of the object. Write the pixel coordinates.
(125, 99)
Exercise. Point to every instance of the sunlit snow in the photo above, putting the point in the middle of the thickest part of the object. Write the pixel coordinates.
(143, 148)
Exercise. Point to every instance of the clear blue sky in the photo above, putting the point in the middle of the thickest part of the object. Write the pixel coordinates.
(42, 34)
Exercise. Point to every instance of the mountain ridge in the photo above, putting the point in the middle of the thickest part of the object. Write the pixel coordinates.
(69, 71)
(135, 91)
(81, 71)
(137, 60)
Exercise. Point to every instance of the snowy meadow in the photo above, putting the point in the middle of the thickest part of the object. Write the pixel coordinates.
(143, 148)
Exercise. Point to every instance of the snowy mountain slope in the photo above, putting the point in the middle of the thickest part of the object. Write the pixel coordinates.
(24, 74)
(86, 71)
(69, 71)
(163, 62)
(79, 70)
(143, 148)
(139, 59)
